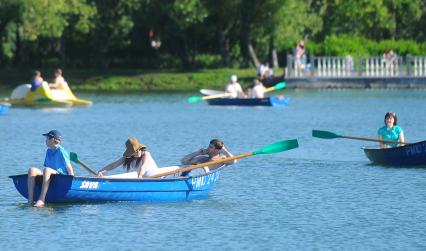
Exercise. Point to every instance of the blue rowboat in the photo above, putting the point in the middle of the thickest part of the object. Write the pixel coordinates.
(408, 155)
(66, 188)
(4, 107)
(268, 101)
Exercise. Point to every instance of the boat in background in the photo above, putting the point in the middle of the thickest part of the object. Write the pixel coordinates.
(407, 155)
(268, 101)
(4, 107)
(67, 188)
(44, 96)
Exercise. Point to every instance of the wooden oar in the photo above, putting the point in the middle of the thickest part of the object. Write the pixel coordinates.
(330, 135)
(195, 99)
(74, 157)
(272, 148)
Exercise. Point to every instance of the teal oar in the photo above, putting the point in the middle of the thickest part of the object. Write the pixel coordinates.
(74, 158)
(330, 135)
(276, 147)
(276, 87)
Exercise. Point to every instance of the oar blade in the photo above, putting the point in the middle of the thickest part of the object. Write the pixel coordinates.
(324, 134)
(277, 147)
(280, 85)
(194, 99)
(74, 157)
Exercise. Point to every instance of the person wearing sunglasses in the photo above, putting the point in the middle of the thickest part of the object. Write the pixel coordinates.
(391, 131)
(57, 161)
(216, 150)
(138, 160)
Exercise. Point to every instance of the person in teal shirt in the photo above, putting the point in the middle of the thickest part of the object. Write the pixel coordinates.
(57, 161)
(391, 131)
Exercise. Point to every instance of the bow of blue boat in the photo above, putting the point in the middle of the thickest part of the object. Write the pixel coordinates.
(408, 155)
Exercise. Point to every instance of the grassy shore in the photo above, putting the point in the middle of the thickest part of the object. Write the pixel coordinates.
(137, 80)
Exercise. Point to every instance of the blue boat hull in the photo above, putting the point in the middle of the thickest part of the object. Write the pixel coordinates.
(409, 155)
(66, 188)
(268, 101)
(3, 109)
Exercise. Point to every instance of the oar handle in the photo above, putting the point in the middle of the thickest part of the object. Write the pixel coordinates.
(375, 140)
(87, 167)
(220, 95)
(188, 168)
(269, 89)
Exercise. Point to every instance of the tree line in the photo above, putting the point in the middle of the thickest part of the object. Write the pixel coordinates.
(190, 34)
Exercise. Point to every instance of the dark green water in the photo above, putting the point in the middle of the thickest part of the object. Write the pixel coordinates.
(323, 195)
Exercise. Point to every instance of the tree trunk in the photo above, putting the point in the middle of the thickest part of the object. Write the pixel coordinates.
(273, 57)
(61, 52)
(253, 56)
(184, 55)
(224, 50)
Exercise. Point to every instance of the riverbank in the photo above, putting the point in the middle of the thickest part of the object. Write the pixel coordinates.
(138, 80)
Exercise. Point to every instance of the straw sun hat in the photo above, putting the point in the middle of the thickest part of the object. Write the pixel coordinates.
(132, 145)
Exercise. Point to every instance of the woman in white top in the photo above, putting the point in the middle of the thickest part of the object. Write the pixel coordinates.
(258, 90)
(235, 88)
(137, 158)
(59, 80)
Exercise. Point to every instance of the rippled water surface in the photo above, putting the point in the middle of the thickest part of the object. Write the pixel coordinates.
(323, 195)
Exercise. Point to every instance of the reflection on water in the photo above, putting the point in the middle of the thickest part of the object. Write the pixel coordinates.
(323, 195)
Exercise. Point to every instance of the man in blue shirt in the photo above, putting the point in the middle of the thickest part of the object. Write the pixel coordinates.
(57, 161)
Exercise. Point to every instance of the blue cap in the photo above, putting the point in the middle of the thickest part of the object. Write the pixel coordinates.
(53, 134)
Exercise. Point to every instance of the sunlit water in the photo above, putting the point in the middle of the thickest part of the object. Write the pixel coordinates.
(323, 195)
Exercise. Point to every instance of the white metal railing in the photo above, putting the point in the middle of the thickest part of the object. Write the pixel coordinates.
(338, 67)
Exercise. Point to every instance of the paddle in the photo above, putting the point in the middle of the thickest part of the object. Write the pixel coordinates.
(330, 135)
(195, 99)
(278, 86)
(74, 157)
(276, 147)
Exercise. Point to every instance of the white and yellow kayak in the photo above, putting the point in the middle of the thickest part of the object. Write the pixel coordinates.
(63, 96)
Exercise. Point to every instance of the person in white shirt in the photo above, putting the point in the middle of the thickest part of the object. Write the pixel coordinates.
(59, 80)
(258, 90)
(235, 88)
(137, 158)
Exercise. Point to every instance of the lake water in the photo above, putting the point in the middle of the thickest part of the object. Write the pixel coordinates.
(322, 195)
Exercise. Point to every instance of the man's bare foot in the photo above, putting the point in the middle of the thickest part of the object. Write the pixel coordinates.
(39, 203)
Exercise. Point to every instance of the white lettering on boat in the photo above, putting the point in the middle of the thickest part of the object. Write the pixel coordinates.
(204, 180)
(415, 149)
(89, 184)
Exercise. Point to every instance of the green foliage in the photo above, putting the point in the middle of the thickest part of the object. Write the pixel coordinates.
(353, 45)
(201, 34)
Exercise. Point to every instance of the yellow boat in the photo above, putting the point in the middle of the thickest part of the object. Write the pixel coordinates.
(63, 96)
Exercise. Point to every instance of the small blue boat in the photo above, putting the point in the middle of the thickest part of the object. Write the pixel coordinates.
(4, 107)
(67, 188)
(408, 155)
(267, 101)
